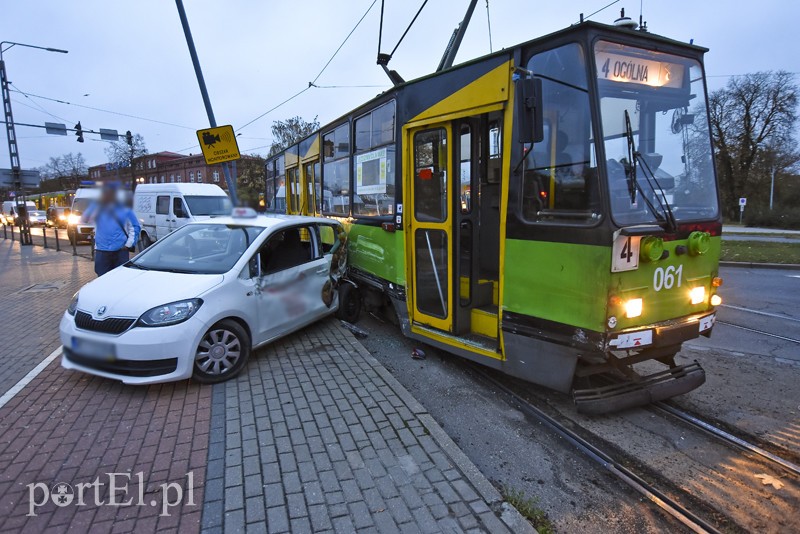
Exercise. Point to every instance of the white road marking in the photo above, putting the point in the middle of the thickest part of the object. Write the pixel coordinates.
(793, 275)
(757, 312)
(28, 378)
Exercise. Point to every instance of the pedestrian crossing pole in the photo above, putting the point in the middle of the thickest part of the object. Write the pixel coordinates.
(231, 182)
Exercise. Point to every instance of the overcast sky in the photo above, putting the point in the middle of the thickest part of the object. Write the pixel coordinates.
(131, 57)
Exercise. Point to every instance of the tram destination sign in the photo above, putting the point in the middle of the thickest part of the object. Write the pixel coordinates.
(632, 69)
(218, 144)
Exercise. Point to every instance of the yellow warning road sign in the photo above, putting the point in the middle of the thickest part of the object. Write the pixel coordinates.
(218, 144)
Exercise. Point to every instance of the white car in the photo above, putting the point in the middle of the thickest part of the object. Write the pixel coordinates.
(198, 301)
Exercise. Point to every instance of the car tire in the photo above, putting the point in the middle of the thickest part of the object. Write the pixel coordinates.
(222, 352)
(349, 303)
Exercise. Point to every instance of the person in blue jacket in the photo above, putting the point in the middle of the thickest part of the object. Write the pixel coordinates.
(115, 229)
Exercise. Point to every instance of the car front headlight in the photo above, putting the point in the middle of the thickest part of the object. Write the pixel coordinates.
(73, 219)
(73, 304)
(169, 314)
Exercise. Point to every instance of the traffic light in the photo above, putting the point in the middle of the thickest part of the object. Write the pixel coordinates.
(79, 132)
(129, 138)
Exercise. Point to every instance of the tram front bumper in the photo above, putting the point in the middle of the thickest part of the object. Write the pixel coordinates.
(664, 334)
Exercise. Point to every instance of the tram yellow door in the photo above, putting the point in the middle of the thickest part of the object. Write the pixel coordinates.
(431, 226)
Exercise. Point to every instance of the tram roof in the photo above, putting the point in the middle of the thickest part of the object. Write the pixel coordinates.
(585, 27)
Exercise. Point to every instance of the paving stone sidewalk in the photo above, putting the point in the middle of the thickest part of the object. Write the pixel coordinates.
(318, 436)
(314, 436)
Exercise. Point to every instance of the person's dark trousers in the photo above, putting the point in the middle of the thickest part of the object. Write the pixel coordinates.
(106, 260)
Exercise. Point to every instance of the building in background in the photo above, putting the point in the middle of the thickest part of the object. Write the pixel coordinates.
(164, 167)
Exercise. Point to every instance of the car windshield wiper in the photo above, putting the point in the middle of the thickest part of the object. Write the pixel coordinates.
(136, 266)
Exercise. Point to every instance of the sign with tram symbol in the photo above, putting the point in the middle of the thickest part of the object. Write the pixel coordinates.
(218, 144)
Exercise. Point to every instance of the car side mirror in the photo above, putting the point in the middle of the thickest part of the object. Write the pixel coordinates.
(529, 110)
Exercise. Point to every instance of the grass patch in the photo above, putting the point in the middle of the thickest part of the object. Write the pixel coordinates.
(528, 507)
(760, 252)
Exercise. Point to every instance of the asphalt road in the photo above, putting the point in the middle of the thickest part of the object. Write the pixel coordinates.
(519, 454)
(760, 314)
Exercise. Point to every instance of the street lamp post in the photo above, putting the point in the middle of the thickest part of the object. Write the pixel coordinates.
(13, 149)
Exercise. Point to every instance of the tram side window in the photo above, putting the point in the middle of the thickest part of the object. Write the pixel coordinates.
(430, 175)
(375, 162)
(270, 187)
(560, 181)
(336, 171)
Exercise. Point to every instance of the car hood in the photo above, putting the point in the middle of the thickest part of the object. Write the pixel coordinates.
(128, 292)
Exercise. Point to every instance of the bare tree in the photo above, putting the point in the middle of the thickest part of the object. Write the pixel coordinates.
(124, 155)
(63, 172)
(290, 131)
(752, 123)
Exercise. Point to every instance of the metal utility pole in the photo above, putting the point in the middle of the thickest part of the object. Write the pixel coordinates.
(455, 41)
(13, 149)
(772, 189)
(231, 182)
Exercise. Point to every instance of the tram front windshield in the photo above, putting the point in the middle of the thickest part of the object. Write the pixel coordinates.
(656, 136)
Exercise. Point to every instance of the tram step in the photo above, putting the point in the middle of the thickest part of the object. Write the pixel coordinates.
(484, 321)
(659, 386)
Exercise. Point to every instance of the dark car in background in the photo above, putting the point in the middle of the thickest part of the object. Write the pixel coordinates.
(58, 216)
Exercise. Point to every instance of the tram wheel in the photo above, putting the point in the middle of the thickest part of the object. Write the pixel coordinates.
(349, 303)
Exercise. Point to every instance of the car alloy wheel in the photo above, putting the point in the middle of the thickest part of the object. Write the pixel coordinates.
(222, 352)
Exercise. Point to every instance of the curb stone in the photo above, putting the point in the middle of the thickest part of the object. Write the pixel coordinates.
(505, 511)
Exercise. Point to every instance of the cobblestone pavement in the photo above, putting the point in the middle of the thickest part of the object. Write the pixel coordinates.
(315, 435)
(37, 285)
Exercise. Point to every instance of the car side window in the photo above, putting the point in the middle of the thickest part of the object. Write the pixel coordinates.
(287, 248)
(179, 208)
(162, 205)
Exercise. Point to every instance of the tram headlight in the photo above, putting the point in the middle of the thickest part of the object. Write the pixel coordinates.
(633, 308)
(716, 300)
(698, 295)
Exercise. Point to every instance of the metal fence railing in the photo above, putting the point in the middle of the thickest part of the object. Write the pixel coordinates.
(53, 238)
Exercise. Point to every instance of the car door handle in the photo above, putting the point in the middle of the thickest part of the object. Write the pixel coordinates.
(323, 270)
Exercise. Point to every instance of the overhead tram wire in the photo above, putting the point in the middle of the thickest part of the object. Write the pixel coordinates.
(119, 113)
(314, 81)
(601, 9)
(35, 103)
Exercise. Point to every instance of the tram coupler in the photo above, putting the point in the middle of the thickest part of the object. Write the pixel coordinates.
(629, 394)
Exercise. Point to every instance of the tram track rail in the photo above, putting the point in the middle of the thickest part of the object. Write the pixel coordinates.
(726, 437)
(761, 332)
(606, 460)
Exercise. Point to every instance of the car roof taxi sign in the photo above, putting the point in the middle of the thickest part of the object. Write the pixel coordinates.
(218, 144)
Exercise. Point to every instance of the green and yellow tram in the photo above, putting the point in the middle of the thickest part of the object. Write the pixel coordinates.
(549, 210)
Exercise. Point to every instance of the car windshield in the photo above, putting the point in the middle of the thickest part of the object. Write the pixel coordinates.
(79, 205)
(656, 136)
(202, 205)
(198, 249)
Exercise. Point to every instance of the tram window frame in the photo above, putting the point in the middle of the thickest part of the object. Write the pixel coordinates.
(336, 151)
(591, 212)
(376, 148)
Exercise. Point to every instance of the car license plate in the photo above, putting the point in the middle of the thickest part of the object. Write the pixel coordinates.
(707, 322)
(93, 349)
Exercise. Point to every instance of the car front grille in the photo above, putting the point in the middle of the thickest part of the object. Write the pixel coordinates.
(112, 325)
(135, 368)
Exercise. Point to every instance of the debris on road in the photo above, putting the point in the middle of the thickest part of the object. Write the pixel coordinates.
(418, 354)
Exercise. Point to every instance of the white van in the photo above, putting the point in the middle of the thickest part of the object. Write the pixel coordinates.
(8, 215)
(163, 208)
(78, 231)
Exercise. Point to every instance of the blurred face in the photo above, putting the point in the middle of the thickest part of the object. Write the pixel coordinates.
(109, 196)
